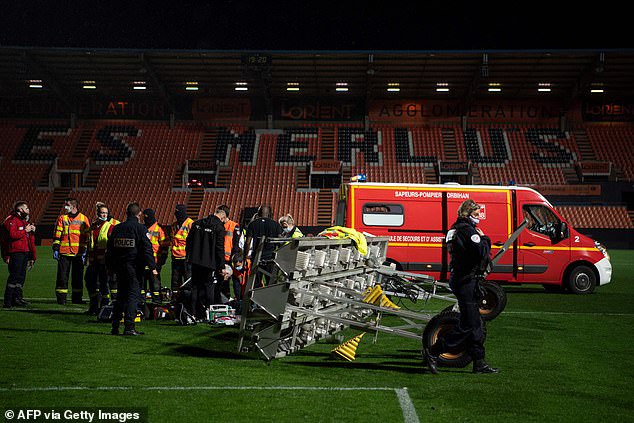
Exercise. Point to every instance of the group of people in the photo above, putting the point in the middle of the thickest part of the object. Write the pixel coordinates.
(125, 258)
(121, 262)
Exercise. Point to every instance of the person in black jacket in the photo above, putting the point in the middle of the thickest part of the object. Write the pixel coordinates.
(128, 252)
(469, 249)
(205, 253)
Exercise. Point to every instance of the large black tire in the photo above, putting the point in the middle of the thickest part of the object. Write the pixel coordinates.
(437, 327)
(581, 280)
(494, 301)
(492, 305)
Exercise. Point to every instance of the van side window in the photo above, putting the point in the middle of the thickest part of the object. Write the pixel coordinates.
(542, 220)
(379, 214)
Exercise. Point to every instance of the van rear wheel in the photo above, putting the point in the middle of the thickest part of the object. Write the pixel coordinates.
(582, 280)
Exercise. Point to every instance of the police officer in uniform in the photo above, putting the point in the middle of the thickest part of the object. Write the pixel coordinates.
(129, 252)
(469, 249)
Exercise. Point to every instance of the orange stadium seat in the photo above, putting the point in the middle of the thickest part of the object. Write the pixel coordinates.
(263, 164)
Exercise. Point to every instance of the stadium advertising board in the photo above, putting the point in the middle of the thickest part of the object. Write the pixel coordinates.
(221, 108)
(608, 111)
(115, 108)
(322, 109)
(422, 110)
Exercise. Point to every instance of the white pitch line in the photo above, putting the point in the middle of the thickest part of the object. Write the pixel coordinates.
(407, 406)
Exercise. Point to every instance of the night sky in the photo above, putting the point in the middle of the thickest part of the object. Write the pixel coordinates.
(308, 25)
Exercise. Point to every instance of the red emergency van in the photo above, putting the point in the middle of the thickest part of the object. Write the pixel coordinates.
(416, 217)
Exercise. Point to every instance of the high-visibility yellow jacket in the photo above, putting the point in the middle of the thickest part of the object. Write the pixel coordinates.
(179, 238)
(98, 240)
(71, 234)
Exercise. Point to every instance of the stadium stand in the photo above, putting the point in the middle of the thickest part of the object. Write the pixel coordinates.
(144, 161)
(612, 217)
(614, 144)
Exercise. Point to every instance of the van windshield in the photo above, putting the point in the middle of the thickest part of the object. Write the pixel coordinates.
(542, 220)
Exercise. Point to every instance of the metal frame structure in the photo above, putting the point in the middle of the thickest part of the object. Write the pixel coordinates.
(318, 287)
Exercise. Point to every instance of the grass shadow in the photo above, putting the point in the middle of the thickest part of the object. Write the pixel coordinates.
(2, 329)
(202, 352)
(385, 366)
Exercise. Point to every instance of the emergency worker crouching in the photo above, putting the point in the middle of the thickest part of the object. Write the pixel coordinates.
(129, 251)
(470, 252)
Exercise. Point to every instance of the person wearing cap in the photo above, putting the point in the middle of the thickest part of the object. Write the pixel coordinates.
(181, 270)
(469, 249)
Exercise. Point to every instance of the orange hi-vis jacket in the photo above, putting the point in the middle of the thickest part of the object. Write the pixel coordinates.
(71, 234)
(230, 227)
(157, 238)
(179, 238)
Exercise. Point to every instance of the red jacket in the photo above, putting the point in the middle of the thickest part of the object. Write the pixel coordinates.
(15, 239)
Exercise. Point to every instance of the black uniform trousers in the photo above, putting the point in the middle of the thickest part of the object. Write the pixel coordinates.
(204, 289)
(129, 279)
(98, 285)
(181, 271)
(17, 276)
(72, 266)
(469, 333)
(152, 283)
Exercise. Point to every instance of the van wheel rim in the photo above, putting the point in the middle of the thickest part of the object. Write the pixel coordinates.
(582, 281)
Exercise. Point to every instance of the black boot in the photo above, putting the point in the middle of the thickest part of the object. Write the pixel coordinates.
(93, 309)
(481, 366)
(131, 331)
(431, 361)
(9, 296)
(21, 302)
(18, 297)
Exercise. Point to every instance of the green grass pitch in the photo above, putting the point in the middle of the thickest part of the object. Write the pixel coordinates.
(563, 358)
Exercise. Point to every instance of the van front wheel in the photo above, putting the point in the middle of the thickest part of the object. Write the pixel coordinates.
(582, 280)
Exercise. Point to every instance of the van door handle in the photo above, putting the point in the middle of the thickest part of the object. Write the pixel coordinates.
(498, 244)
(529, 244)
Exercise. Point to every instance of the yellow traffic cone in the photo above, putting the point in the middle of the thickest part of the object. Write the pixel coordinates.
(376, 296)
(371, 294)
(348, 349)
